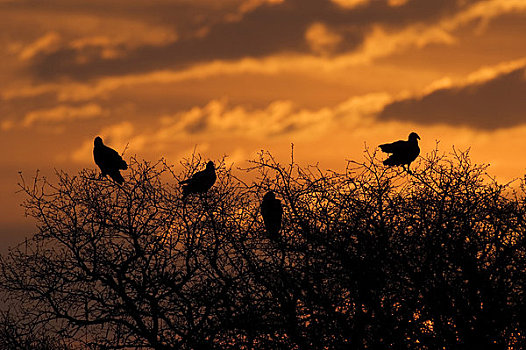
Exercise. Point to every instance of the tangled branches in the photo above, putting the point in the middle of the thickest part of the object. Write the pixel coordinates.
(368, 258)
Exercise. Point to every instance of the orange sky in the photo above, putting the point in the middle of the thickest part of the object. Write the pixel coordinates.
(235, 76)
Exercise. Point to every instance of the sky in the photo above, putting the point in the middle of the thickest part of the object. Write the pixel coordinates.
(162, 78)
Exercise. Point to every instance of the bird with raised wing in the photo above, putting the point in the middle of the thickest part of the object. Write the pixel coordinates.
(109, 161)
(201, 181)
(272, 212)
(402, 152)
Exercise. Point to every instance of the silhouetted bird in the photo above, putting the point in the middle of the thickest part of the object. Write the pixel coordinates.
(272, 212)
(109, 161)
(201, 181)
(403, 152)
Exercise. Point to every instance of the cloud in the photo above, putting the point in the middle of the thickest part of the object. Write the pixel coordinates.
(48, 43)
(328, 135)
(487, 10)
(118, 136)
(350, 4)
(249, 45)
(218, 121)
(321, 39)
(278, 119)
(325, 38)
(6, 125)
(252, 36)
(115, 42)
(378, 44)
(83, 37)
(486, 100)
(62, 113)
(251, 5)
(217, 118)
(396, 3)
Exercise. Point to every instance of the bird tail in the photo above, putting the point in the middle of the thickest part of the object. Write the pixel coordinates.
(273, 231)
(117, 177)
(390, 162)
(186, 192)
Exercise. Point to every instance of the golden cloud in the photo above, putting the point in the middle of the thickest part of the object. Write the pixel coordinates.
(491, 98)
(251, 5)
(6, 125)
(480, 76)
(117, 136)
(321, 39)
(47, 43)
(219, 128)
(350, 4)
(377, 44)
(396, 3)
(84, 32)
(62, 113)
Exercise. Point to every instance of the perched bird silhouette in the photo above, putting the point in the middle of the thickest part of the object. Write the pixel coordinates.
(403, 152)
(272, 211)
(109, 161)
(201, 181)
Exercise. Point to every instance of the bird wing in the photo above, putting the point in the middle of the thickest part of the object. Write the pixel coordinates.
(265, 208)
(115, 159)
(98, 156)
(108, 159)
(395, 147)
(272, 212)
(202, 176)
(405, 153)
(277, 214)
(195, 177)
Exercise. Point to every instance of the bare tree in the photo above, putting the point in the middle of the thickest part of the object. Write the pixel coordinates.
(368, 258)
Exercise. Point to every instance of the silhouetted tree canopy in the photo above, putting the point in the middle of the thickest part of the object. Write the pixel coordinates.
(370, 258)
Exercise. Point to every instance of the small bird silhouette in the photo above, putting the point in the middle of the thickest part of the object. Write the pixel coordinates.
(201, 181)
(272, 212)
(109, 161)
(403, 152)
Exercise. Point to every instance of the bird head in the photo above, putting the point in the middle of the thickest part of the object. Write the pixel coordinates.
(269, 196)
(413, 136)
(98, 141)
(210, 166)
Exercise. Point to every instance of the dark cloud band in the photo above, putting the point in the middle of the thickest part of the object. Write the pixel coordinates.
(493, 104)
(271, 28)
